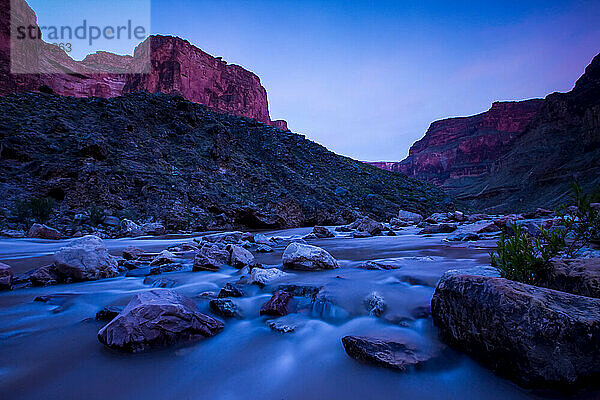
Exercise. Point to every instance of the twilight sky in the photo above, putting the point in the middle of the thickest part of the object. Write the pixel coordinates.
(366, 78)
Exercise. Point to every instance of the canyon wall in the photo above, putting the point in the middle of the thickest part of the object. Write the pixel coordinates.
(176, 67)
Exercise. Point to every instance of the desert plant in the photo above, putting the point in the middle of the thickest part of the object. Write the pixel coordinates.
(38, 209)
(582, 221)
(96, 214)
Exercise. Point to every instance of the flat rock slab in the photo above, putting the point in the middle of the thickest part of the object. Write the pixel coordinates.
(157, 318)
(533, 335)
(578, 276)
(384, 353)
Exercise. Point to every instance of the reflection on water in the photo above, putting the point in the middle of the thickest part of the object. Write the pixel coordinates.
(50, 350)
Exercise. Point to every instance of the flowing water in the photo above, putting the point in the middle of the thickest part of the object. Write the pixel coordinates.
(51, 351)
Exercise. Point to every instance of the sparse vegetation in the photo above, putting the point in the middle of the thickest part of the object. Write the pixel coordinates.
(521, 257)
(37, 209)
(96, 214)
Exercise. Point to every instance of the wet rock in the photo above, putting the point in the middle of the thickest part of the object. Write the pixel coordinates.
(306, 257)
(464, 237)
(108, 313)
(533, 335)
(392, 354)
(261, 238)
(370, 226)
(538, 213)
(157, 318)
(490, 228)
(343, 229)
(528, 227)
(507, 219)
(164, 257)
(477, 217)
(45, 276)
(287, 324)
(153, 229)
(130, 264)
(159, 282)
(42, 299)
(440, 228)
(300, 289)
(132, 253)
(409, 217)
(278, 305)
(40, 231)
(130, 228)
(375, 304)
(6, 277)
(457, 216)
(240, 257)
(390, 233)
(378, 266)
(321, 232)
(361, 235)
(210, 258)
(225, 308)
(263, 248)
(398, 223)
(225, 237)
(421, 312)
(162, 269)
(265, 276)
(579, 276)
(232, 290)
(85, 259)
(437, 218)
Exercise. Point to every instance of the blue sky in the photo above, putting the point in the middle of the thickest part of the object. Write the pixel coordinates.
(366, 78)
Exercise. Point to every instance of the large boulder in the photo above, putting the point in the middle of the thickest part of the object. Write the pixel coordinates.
(85, 259)
(40, 231)
(306, 257)
(578, 276)
(6, 277)
(157, 318)
(409, 217)
(533, 335)
(394, 354)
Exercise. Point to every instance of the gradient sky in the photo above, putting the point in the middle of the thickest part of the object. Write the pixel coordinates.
(366, 78)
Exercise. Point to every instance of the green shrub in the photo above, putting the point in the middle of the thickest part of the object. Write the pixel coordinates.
(38, 209)
(526, 259)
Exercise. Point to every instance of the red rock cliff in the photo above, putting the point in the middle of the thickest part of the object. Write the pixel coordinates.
(176, 67)
(467, 146)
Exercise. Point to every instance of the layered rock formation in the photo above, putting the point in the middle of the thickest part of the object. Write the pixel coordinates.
(175, 67)
(467, 146)
(159, 158)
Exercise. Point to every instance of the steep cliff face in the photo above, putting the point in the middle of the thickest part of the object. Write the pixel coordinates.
(176, 67)
(455, 148)
(560, 146)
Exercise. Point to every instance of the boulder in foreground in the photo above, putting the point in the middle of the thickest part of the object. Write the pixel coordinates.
(306, 257)
(533, 335)
(157, 318)
(384, 353)
(577, 276)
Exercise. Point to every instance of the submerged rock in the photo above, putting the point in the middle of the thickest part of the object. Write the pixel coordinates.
(306, 257)
(225, 308)
(533, 335)
(375, 304)
(287, 324)
(132, 253)
(378, 266)
(384, 353)
(278, 305)
(85, 259)
(440, 228)
(232, 290)
(6, 277)
(108, 313)
(157, 318)
(40, 231)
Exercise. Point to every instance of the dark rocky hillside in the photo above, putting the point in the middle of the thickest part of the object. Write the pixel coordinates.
(157, 157)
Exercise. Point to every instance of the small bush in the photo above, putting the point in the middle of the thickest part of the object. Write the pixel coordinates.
(526, 259)
(38, 209)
